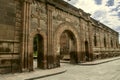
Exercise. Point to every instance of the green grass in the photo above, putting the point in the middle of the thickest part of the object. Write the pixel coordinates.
(35, 54)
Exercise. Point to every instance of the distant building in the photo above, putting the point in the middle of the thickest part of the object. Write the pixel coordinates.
(50, 30)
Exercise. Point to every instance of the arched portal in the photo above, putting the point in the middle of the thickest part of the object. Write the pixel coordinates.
(68, 50)
(38, 51)
(71, 37)
(86, 51)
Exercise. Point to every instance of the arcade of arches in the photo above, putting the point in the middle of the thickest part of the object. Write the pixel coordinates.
(45, 32)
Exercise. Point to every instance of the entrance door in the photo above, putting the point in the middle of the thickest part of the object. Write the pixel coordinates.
(86, 51)
(38, 51)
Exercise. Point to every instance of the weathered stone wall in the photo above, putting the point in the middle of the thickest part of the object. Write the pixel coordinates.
(63, 21)
(10, 28)
(21, 20)
(106, 43)
(38, 17)
(47, 19)
(85, 37)
(38, 25)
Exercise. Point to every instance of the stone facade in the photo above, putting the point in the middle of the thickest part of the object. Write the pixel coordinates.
(10, 35)
(84, 39)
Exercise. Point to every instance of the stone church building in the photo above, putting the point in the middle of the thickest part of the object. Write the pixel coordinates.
(50, 31)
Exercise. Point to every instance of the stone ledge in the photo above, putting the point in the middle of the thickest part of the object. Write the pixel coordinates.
(37, 74)
(97, 62)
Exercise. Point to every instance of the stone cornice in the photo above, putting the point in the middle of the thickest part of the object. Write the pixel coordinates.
(29, 1)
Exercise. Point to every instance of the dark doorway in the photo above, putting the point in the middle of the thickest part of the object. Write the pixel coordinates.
(68, 47)
(86, 51)
(38, 55)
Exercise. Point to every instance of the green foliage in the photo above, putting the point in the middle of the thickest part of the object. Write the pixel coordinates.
(35, 43)
(35, 54)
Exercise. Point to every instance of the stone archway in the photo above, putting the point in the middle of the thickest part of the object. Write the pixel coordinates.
(73, 35)
(38, 53)
(68, 46)
(42, 50)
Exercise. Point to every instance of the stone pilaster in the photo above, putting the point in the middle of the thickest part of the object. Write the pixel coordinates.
(50, 55)
(81, 56)
(90, 42)
(25, 33)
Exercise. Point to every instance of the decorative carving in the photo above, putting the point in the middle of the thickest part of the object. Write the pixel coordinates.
(38, 29)
(37, 16)
(29, 1)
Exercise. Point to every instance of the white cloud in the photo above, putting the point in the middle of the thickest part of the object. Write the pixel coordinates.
(101, 12)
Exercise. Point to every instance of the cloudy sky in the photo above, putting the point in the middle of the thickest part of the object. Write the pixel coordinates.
(105, 11)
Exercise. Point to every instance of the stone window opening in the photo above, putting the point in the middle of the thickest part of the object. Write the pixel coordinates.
(87, 51)
(104, 42)
(116, 44)
(95, 40)
(111, 44)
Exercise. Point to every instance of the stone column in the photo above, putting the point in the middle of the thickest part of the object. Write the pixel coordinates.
(90, 41)
(109, 40)
(50, 52)
(25, 33)
(81, 56)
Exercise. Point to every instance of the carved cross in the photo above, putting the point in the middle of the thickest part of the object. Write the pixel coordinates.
(37, 16)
